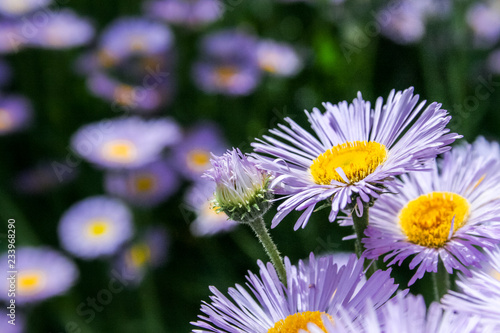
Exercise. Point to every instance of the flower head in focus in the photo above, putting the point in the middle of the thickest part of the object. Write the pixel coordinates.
(242, 189)
(314, 288)
(443, 215)
(357, 152)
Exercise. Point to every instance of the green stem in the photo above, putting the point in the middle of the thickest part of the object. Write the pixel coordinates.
(440, 282)
(360, 223)
(259, 227)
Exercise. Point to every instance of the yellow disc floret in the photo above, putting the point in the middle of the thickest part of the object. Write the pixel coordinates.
(427, 220)
(30, 282)
(357, 159)
(293, 323)
(121, 151)
(97, 228)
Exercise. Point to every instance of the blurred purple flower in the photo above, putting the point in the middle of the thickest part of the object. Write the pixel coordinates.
(63, 30)
(41, 273)
(130, 36)
(192, 155)
(125, 142)
(146, 186)
(148, 252)
(17, 8)
(137, 98)
(189, 13)
(484, 20)
(5, 72)
(199, 199)
(228, 64)
(278, 58)
(95, 227)
(15, 113)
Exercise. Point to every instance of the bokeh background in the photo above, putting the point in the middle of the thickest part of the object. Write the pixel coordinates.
(230, 70)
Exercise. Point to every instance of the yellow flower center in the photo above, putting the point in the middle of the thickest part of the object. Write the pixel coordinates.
(145, 183)
(139, 254)
(224, 75)
(30, 282)
(357, 159)
(122, 151)
(106, 59)
(97, 228)
(124, 95)
(137, 44)
(5, 120)
(496, 274)
(293, 323)
(198, 159)
(426, 220)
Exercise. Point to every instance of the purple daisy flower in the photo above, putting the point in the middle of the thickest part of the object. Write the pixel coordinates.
(64, 30)
(484, 20)
(359, 152)
(11, 38)
(15, 114)
(41, 273)
(479, 294)
(130, 36)
(21, 7)
(188, 13)
(225, 78)
(95, 227)
(279, 59)
(148, 252)
(229, 64)
(125, 142)
(192, 155)
(405, 313)
(129, 97)
(313, 288)
(441, 215)
(199, 199)
(147, 186)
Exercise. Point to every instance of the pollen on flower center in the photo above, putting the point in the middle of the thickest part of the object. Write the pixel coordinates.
(5, 119)
(198, 159)
(224, 75)
(29, 282)
(357, 159)
(293, 323)
(427, 220)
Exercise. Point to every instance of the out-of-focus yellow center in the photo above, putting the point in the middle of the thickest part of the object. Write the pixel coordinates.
(198, 160)
(97, 228)
(105, 59)
(357, 159)
(145, 183)
(137, 44)
(5, 120)
(30, 282)
(268, 62)
(122, 151)
(139, 254)
(124, 95)
(426, 220)
(293, 323)
(224, 75)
